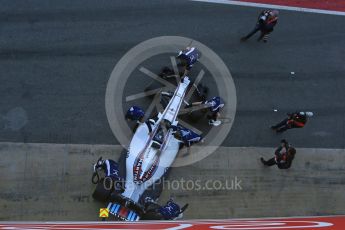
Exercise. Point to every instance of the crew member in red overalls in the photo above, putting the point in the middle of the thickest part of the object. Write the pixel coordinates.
(294, 120)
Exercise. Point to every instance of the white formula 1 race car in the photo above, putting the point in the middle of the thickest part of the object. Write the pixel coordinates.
(128, 186)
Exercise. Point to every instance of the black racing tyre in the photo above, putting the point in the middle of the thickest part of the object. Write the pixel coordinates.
(152, 215)
(103, 190)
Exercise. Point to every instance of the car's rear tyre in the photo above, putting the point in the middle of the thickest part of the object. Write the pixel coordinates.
(152, 215)
(103, 190)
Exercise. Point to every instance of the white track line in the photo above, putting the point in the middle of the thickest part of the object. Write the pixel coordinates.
(279, 7)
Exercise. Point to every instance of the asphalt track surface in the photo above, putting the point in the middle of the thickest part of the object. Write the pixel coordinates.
(56, 58)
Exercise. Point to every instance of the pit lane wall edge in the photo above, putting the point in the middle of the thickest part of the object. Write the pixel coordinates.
(302, 223)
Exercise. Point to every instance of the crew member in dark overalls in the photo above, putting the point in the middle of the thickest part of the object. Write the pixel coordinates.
(170, 211)
(215, 104)
(111, 169)
(283, 158)
(266, 22)
(186, 136)
(187, 58)
(135, 113)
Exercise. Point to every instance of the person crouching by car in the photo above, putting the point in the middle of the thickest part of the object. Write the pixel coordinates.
(135, 113)
(283, 158)
(186, 136)
(169, 211)
(111, 169)
(188, 57)
(215, 104)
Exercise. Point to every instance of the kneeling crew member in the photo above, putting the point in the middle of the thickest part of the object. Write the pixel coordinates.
(135, 113)
(215, 105)
(187, 136)
(169, 211)
(188, 57)
(111, 169)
